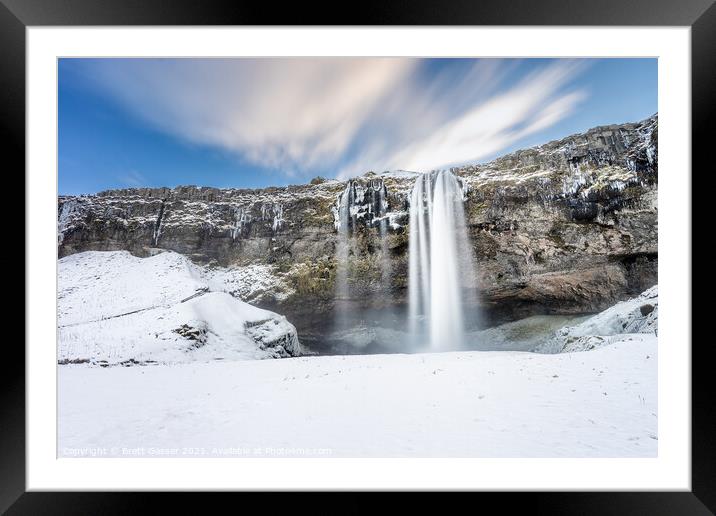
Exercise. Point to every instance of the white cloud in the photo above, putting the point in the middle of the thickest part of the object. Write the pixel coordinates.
(284, 113)
(133, 178)
(490, 125)
(348, 115)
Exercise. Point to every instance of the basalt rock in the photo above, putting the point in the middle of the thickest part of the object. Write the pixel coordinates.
(566, 227)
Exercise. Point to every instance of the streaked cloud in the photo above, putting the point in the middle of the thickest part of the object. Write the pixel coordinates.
(344, 116)
(132, 178)
(495, 122)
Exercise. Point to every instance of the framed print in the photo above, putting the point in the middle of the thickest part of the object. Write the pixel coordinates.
(423, 254)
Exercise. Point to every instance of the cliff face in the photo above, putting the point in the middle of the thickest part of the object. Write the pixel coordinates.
(565, 227)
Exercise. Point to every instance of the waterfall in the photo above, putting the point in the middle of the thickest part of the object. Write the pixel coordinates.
(440, 263)
(158, 224)
(360, 208)
(378, 209)
(343, 224)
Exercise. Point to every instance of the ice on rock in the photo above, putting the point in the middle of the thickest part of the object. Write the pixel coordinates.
(243, 219)
(272, 335)
(277, 217)
(64, 218)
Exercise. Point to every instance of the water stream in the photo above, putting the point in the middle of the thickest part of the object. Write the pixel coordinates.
(441, 268)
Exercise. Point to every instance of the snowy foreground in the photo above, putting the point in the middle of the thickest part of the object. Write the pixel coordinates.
(157, 358)
(599, 403)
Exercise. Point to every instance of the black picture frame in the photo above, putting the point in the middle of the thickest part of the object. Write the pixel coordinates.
(16, 15)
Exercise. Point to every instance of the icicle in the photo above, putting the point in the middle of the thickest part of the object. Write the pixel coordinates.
(277, 217)
(242, 219)
(63, 221)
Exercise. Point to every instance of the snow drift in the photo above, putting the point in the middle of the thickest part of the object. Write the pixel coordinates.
(116, 308)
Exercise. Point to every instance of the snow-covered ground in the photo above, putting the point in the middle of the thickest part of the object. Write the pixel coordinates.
(600, 403)
(116, 308)
(593, 393)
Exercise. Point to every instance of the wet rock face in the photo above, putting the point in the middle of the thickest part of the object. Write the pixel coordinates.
(565, 227)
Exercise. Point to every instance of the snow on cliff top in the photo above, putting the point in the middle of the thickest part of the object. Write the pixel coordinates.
(399, 174)
(505, 168)
(114, 307)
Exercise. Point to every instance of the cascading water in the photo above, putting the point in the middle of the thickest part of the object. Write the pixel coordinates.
(370, 204)
(158, 223)
(344, 223)
(361, 210)
(378, 209)
(440, 261)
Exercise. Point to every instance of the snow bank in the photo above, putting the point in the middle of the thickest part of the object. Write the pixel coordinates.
(116, 308)
(634, 316)
(96, 285)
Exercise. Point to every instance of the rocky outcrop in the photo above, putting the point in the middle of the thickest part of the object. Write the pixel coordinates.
(566, 227)
(270, 334)
(639, 315)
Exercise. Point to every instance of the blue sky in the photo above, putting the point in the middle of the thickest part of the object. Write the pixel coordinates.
(260, 122)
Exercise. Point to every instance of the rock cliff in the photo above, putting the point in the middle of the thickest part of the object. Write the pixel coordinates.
(567, 227)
